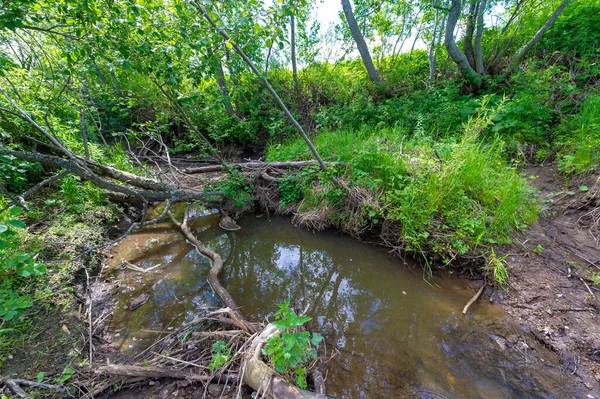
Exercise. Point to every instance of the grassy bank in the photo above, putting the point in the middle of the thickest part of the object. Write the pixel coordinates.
(438, 199)
(46, 254)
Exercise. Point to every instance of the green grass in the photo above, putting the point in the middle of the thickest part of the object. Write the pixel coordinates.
(580, 144)
(443, 198)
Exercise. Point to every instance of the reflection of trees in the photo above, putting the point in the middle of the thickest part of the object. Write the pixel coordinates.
(390, 342)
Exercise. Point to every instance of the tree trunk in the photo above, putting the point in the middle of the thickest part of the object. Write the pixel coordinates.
(265, 82)
(84, 136)
(224, 91)
(359, 39)
(478, 34)
(412, 48)
(294, 63)
(454, 52)
(536, 38)
(469, 31)
(432, 54)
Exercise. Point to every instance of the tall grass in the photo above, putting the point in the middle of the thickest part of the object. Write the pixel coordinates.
(445, 198)
(580, 142)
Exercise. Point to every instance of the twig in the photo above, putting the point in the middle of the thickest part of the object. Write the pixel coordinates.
(133, 267)
(475, 297)
(91, 325)
(588, 288)
(179, 360)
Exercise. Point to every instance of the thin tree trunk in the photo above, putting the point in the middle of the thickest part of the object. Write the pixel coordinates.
(224, 91)
(359, 39)
(469, 31)
(432, 55)
(412, 48)
(536, 38)
(478, 34)
(84, 133)
(294, 64)
(247, 60)
(454, 52)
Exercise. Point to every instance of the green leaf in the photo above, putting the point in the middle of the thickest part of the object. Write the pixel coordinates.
(16, 211)
(583, 188)
(3, 228)
(40, 376)
(316, 339)
(17, 223)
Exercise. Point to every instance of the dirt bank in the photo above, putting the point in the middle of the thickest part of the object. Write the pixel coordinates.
(551, 293)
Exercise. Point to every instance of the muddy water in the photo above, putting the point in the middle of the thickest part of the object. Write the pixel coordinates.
(397, 335)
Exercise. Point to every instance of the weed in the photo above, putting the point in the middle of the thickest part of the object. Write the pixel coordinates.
(221, 354)
(538, 250)
(497, 269)
(595, 277)
(289, 190)
(290, 351)
(236, 187)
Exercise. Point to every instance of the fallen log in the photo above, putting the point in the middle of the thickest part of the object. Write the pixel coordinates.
(254, 165)
(264, 380)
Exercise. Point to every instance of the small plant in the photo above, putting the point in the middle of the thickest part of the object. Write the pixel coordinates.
(289, 190)
(65, 376)
(221, 354)
(290, 351)
(497, 268)
(237, 188)
(14, 265)
(538, 250)
(595, 277)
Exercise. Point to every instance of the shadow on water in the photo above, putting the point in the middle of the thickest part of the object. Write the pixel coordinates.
(397, 335)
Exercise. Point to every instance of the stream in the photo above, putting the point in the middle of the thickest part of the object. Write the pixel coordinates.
(398, 334)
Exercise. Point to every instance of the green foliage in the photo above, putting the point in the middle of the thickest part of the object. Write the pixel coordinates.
(445, 197)
(291, 350)
(15, 264)
(289, 190)
(496, 269)
(236, 187)
(221, 354)
(538, 250)
(580, 139)
(15, 172)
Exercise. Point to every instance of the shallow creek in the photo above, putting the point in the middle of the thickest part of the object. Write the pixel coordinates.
(397, 335)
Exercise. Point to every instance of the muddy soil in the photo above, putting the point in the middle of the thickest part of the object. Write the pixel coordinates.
(551, 293)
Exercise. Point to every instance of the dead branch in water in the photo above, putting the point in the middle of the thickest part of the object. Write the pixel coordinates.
(475, 298)
(213, 274)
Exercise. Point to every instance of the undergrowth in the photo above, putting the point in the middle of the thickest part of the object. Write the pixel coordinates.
(42, 251)
(436, 198)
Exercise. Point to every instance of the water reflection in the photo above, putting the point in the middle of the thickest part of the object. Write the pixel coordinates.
(397, 335)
